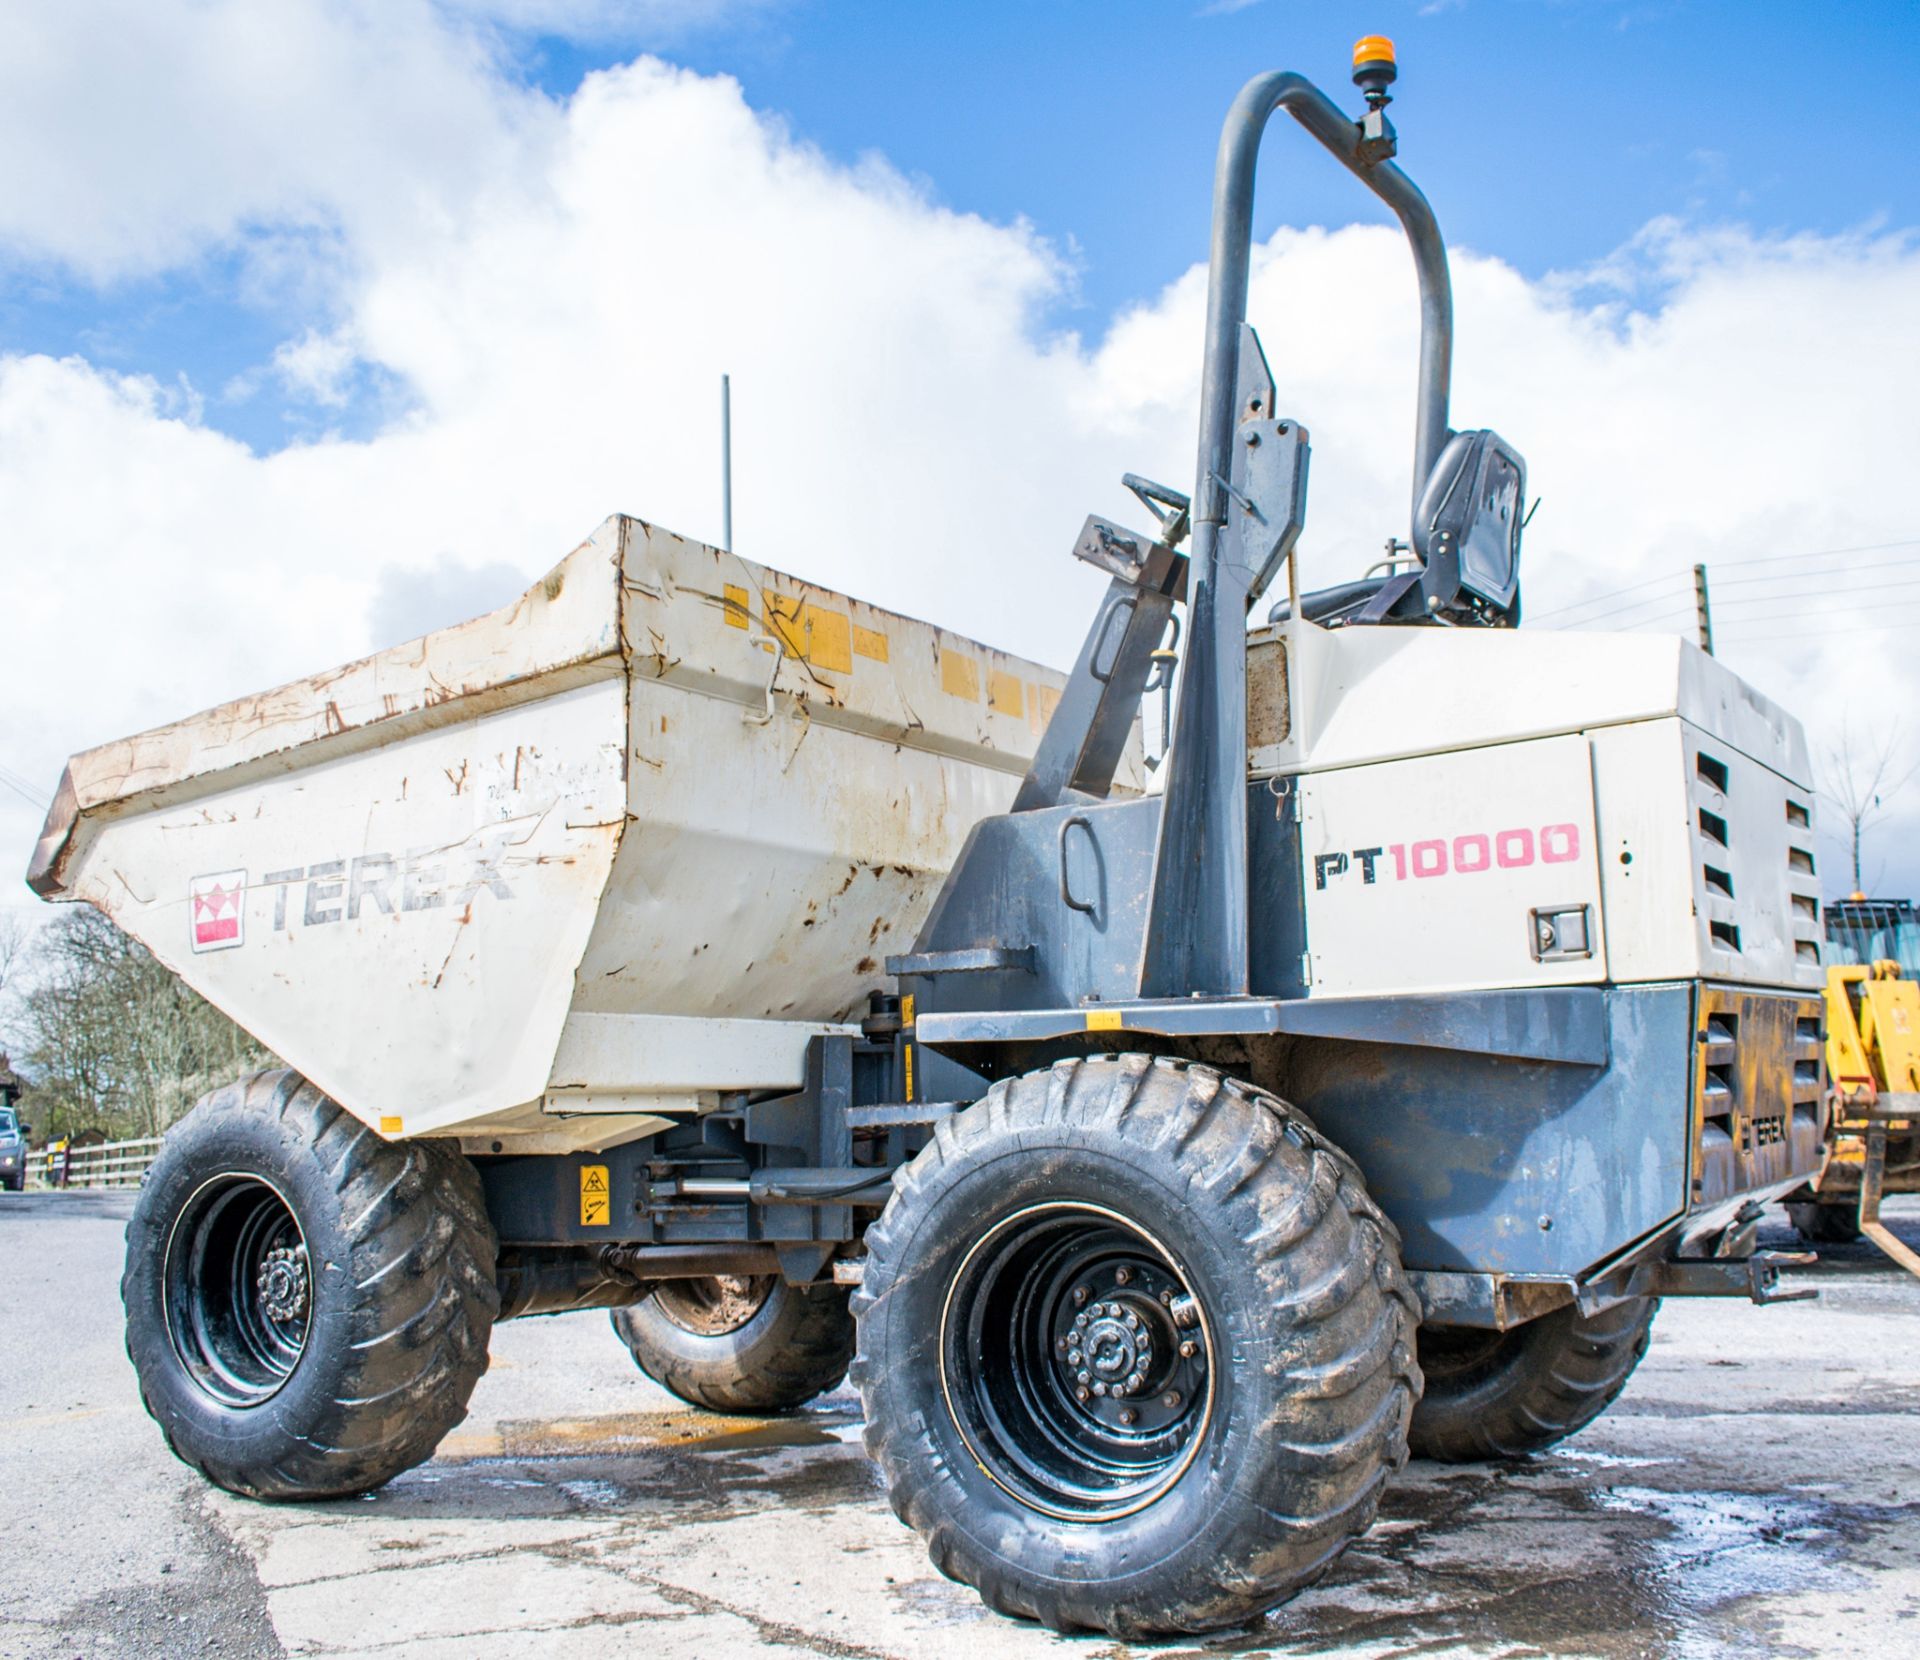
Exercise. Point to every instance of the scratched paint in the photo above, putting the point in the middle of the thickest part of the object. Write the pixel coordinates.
(627, 793)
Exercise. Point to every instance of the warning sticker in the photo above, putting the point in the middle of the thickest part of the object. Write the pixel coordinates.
(214, 909)
(596, 1199)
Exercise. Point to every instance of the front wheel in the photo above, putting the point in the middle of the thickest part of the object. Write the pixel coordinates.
(308, 1306)
(1136, 1349)
(740, 1345)
(1493, 1394)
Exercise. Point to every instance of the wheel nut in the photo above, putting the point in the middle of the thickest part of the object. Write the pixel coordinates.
(1189, 1349)
(1079, 1394)
(1122, 1275)
(1080, 1294)
(1084, 1377)
(1060, 1345)
(1127, 1415)
(1133, 1320)
(1166, 1296)
(1170, 1398)
(1100, 1389)
(1080, 1322)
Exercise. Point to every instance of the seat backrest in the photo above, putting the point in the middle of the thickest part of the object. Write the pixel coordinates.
(1466, 529)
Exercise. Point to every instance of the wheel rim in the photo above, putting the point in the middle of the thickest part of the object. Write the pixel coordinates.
(714, 1306)
(1076, 1361)
(237, 1288)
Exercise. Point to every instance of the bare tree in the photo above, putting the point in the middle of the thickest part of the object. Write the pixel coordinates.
(14, 935)
(112, 1040)
(1861, 776)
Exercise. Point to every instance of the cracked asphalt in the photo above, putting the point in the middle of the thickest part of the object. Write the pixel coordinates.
(1755, 1491)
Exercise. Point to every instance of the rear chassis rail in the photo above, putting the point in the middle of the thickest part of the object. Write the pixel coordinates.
(789, 1184)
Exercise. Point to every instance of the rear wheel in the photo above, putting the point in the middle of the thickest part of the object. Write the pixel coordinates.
(740, 1345)
(1136, 1349)
(1493, 1394)
(308, 1306)
(1825, 1224)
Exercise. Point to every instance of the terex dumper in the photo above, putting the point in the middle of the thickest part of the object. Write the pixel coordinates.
(815, 988)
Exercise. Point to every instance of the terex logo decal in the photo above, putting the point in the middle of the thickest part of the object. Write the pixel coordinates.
(1552, 844)
(334, 890)
(215, 907)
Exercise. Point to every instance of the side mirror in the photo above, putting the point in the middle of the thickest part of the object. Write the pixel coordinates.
(1467, 528)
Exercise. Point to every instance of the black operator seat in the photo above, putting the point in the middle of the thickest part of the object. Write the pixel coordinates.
(1466, 532)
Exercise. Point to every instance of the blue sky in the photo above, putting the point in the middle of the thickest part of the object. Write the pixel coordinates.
(1547, 132)
(327, 322)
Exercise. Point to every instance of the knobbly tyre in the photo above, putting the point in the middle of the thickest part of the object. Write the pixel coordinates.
(811, 986)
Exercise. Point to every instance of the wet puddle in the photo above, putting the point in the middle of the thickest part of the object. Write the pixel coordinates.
(1581, 1553)
(629, 1432)
(1531, 1561)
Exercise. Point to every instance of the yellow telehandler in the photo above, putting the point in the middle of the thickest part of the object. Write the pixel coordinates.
(1873, 1065)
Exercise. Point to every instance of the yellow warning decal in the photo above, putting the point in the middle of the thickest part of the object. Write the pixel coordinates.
(1006, 693)
(906, 1010)
(870, 642)
(737, 607)
(906, 1050)
(959, 675)
(1103, 1020)
(827, 640)
(596, 1197)
(1041, 705)
(809, 631)
(393, 1126)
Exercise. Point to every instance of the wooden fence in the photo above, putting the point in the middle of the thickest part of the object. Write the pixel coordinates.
(111, 1164)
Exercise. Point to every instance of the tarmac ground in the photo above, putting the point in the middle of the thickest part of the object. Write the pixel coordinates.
(1756, 1491)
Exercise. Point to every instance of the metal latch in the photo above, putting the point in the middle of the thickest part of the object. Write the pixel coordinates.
(1557, 932)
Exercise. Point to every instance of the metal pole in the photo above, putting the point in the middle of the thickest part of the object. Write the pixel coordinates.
(1703, 615)
(726, 462)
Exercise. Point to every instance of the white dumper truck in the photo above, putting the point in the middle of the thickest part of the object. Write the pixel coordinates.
(814, 988)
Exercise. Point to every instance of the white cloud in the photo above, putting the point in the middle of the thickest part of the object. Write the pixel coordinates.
(141, 133)
(318, 366)
(559, 288)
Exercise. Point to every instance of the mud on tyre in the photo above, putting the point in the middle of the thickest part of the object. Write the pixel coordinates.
(1507, 1394)
(308, 1306)
(1136, 1348)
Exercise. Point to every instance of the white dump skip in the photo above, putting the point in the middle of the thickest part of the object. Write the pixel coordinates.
(550, 873)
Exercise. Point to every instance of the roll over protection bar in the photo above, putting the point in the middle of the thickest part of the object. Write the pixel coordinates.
(1197, 922)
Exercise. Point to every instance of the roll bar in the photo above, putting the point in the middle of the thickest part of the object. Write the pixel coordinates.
(1197, 921)
(1232, 251)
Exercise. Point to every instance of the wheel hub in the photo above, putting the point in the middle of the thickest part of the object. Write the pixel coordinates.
(1114, 1352)
(282, 1284)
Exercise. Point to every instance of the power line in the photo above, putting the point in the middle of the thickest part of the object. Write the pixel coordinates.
(1829, 612)
(1814, 604)
(1904, 562)
(1660, 601)
(1849, 629)
(23, 789)
(1719, 581)
(1611, 593)
(1828, 553)
(1663, 622)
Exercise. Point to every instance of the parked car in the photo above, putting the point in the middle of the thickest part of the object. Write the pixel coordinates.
(13, 1150)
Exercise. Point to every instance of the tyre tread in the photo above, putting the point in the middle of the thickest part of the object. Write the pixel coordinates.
(424, 1240)
(1330, 1245)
